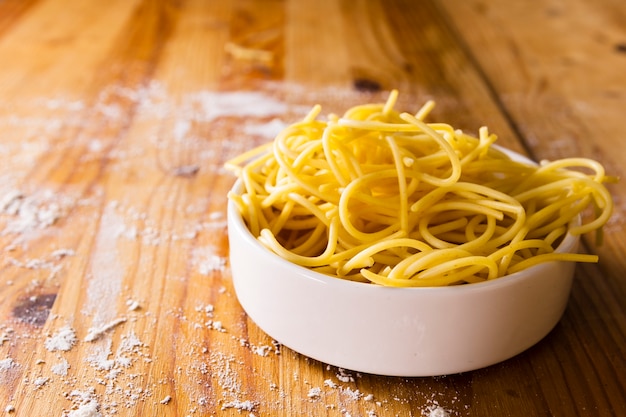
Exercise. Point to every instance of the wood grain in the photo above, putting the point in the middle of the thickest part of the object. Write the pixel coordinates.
(561, 102)
(115, 123)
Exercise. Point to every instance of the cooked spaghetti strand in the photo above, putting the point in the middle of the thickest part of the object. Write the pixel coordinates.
(382, 196)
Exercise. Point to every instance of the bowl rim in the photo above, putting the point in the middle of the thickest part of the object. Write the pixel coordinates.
(235, 220)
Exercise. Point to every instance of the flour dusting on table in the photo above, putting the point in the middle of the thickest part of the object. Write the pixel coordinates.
(63, 339)
(187, 135)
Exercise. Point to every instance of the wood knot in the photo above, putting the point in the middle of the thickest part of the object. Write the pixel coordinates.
(620, 48)
(367, 85)
(186, 171)
(35, 309)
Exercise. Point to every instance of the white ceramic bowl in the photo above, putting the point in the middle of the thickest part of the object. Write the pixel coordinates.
(396, 331)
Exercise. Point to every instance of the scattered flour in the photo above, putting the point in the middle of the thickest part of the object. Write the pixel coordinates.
(132, 305)
(85, 404)
(100, 361)
(344, 376)
(40, 382)
(208, 309)
(207, 106)
(207, 260)
(268, 130)
(352, 395)
(61, 368)
(263, 350)
(7, 363)
(5, 336)
(118, 386)
(31, 212)
(215, 325)
(106, 270)
(240, 405)
(330, 383)
(64, 339)
(314, 393)
(95, 332)
(437, 411)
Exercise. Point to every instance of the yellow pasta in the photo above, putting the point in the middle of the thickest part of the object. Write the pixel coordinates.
(384, 197)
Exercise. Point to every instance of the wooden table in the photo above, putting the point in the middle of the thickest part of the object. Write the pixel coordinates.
(116, 118)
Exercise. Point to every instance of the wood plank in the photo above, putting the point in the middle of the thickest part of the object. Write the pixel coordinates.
(549, 71)
(123, 116)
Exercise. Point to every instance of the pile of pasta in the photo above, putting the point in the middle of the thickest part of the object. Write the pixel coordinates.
(383, 197)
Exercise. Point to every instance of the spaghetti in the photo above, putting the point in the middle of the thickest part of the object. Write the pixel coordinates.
(383, 197)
